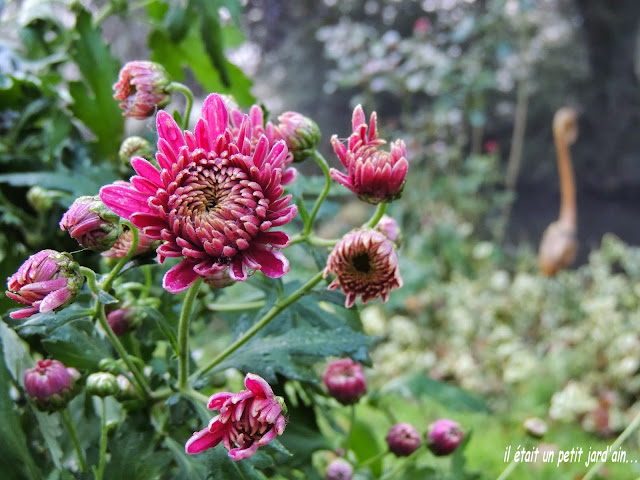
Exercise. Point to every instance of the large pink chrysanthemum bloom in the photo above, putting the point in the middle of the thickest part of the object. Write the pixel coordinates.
(141, 88)
(365, 264)
(374, 175)
(214, 200)
(46, 281)
(248, 420)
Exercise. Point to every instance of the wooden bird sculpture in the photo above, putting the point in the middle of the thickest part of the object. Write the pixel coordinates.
(559, 244)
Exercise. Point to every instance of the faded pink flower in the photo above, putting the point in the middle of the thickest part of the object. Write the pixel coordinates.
(50, 384)
(345, 381)
(339, 469)
(301, 134)
(248, 420)
(123, 244)
(365, 264)
(91, 223)
(444, 436)
(46, 281)
(373, 175)
(403, 439)
(213, 202)
(389, 227)
(141, 87)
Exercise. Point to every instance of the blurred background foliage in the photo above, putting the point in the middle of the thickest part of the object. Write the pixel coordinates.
(472, 87)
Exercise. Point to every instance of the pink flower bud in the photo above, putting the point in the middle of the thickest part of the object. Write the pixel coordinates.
(50, 384)
(123, 320)
(141, 88)
(389, 227)
(247, 420)
(300, 133)
(339, 469)
(444, 436)
(345, 381)
(91, 224)
(123, 244)
(373, 175)
(403, 439)
(46, 281)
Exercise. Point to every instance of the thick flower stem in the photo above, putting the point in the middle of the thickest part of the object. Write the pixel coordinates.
(140, 381)
(68, 423)
(98, 472)
(382, 207)
(233, 307)
(183, 335)
(266, 318)
(322, 163)
(352, 423)
(635, 423)
(188, 95)
(507, 471)
(135, 236)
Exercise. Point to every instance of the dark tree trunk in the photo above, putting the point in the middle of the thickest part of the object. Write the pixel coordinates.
(610, 154)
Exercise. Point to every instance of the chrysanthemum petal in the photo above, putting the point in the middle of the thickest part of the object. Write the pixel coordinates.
(180, 277)
(201, 441)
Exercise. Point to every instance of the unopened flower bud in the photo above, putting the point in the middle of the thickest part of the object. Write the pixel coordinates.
(41, 199)
(142, 88)
(102, 384)
(123, 244)
(345, 381)
(123, 320)
(300, 133)
(135, 147)
(126, 390)
(444, 436)
(536, 427)
(46, 281)
(50, 384)
(339, 469)
(92, 224)
(403, 439)
(389, 227)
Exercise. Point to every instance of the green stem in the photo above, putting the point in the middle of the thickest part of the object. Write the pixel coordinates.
(91, 279)
(322, 163)
(266, 318)
(373, 459)
(382, 207)
(314, 240)
(232, 307)
(68, 423)
(352, 422)
(140, 381)
(148, 281)
(183, 334)
(98, 472)
(188, 95)
(614, 446)
(507, 471)
(135, 237)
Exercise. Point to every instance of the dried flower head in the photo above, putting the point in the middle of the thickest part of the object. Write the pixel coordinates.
(403, 439)
(345, 381)
(365, 264)
(91, 224)
(374, 175)
(444, 436)
(214, 201)
(46, 281)
(248, 420)
(142, 88)
(50, 384)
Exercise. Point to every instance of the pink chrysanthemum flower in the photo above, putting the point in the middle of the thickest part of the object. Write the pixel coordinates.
(141, 87)
(214, 201)
(365, 264)
(289, 174)
(46, 281)
(50, 384)
(374, 175)
(248, 420)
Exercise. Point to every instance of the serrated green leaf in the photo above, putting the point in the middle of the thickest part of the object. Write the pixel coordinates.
(93, 101)
(419, 385)
(45, 323)
(211, 35)
(105, 298)
(75, 348)
(221, 466)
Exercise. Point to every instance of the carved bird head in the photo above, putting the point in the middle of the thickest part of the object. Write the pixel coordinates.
(558, 248)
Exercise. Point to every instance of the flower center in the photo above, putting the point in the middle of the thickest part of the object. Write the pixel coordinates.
(361, 263)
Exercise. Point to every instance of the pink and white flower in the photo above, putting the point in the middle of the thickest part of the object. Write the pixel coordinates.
(50, 384)
(214, 201)
(248, 420)
(374, 175)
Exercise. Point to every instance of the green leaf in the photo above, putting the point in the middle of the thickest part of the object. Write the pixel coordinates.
(93, 101)
(75, 348)
(365, 445)
(221, 466)
(16, 462)
(46, 323)
(419, 385)
(211, 35)
(302, 436)
(105, 298)
(189, 466)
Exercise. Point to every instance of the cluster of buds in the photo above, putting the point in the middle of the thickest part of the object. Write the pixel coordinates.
(45, 282)
(345, 381)
(50, 384)
(91, 224)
